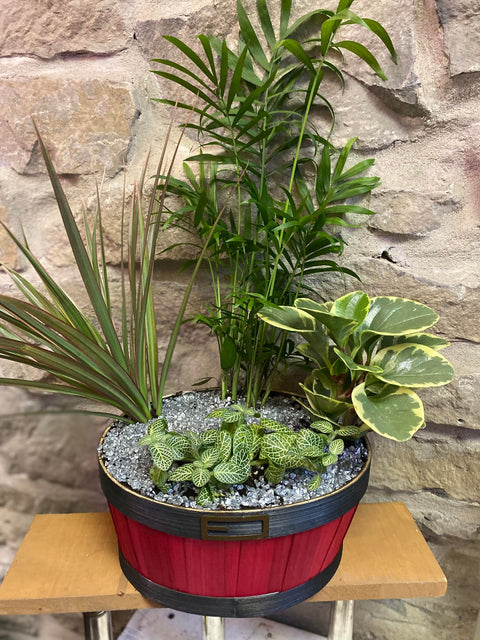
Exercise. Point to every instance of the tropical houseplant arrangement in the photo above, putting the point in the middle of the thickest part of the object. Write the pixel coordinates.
(259, 111)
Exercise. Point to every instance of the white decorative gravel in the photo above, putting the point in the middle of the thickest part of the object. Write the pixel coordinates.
(130, 464)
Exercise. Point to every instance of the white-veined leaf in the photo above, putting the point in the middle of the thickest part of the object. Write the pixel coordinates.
(162, 455)
(201, 476)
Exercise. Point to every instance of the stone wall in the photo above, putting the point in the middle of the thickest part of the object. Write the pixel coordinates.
(81, 69)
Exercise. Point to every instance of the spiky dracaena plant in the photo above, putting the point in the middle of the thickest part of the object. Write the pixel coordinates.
(257, 108)
(371, 353)
(93, 355)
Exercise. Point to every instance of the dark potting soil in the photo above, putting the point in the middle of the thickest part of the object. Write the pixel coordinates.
(130, 464)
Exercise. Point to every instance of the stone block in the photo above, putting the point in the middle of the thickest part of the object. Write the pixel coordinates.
(461, 26)
(452, 532)
(441, 461)
(86, 124)
(407, 619)
(112, 202)
(360, 113)
(402, 91)
(367, 103)
(411, 213)
(456, 304)
(441, 519)
(8, 250)
(46, 29)
(59, 449)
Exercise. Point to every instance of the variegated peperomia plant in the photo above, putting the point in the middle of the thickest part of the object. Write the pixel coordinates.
(371, 355)
(231, 454)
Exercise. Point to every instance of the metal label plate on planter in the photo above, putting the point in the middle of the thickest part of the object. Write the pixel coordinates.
(233, 528)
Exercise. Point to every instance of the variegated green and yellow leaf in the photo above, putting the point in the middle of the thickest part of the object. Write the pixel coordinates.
(309, 443)
(355, 366)
(158, 477)
(427, 339)
(231, 416)
(273, 425)
(410, 365)
(321, 381)
(324, 426)
(329, 458)
(209, 436)
(256, 443)
(243, 438)
(315, 482)
(314, 352)
(204, 496)
(397, 316)
(241, 457)
(288, 318)
(179, 444)
(147, 440)
(396, 416)
(339, 327)
(218, 413)
(322, 405)
(336, 446)
(294, 458)
(353, 306)
(346, 432)
(158, 427)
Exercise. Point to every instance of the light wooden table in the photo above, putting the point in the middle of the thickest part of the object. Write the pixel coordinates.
(68, 563)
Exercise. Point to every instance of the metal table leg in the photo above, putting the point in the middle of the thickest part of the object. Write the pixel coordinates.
(98, 625)
(341, 621)
(213, 628)
(477, 629)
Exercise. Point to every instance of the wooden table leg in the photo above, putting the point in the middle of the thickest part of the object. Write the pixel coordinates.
(98, 625)
(341, 621)
(213, 628)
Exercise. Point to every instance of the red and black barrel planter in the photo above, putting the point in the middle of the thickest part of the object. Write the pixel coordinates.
(243, 563)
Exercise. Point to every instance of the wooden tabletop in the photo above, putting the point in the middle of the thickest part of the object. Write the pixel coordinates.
(68, 563)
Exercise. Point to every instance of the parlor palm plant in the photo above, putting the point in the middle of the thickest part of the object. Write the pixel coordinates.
(257, 115)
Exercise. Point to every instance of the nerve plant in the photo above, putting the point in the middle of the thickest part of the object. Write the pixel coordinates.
(233, 453)
(263, 111)
(371, 354)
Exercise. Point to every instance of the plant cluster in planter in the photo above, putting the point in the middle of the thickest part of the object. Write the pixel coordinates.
(266, 189)
(371, 355)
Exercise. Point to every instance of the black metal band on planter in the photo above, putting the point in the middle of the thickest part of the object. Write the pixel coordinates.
(234, 525)
(240, 607)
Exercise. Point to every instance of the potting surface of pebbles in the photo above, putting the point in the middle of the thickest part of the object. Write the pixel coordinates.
(149, 624)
